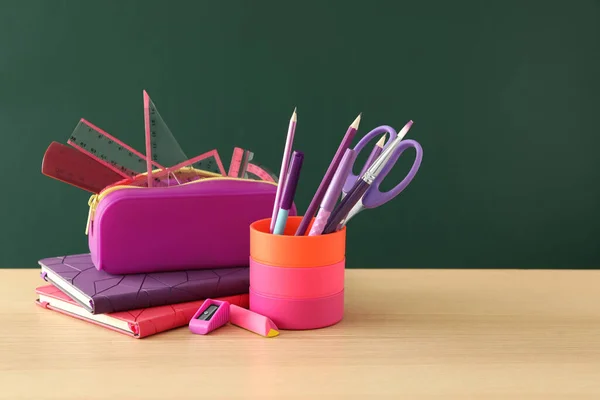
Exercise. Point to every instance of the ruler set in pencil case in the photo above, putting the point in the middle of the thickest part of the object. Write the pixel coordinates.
(162, 211)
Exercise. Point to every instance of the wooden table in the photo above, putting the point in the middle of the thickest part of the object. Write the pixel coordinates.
(424, 334)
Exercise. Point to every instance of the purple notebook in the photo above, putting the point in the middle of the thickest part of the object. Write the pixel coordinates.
(100, 292)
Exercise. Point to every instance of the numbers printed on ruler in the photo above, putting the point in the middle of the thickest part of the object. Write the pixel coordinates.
(165, 149)
(262, 173)
(165, 160)
(241, 167)
(77, 168)
(107, 150)
(239, 162)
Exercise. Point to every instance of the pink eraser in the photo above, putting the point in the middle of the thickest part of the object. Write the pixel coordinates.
(252, 321)
(211, 315)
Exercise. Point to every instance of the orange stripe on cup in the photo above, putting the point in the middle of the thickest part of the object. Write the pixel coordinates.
(288, 250)
(297, 283)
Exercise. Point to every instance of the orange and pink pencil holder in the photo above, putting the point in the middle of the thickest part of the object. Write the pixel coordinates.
(297, 281)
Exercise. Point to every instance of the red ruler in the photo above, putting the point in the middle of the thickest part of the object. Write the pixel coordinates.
(71, 166)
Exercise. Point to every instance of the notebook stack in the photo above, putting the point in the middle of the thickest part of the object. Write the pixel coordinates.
(138, 305)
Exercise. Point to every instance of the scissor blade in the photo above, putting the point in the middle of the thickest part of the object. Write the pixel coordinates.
(358, 207)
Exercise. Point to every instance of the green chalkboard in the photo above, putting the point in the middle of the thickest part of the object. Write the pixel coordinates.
(504, 95)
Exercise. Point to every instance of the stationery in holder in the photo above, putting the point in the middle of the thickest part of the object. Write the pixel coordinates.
(99, 292)
(138, 323)
(297, 281)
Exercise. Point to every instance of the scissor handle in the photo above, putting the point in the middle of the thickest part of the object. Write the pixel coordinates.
(377, 132)
(374, 197)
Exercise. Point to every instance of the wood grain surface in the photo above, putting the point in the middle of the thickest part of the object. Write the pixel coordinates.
(406, 334)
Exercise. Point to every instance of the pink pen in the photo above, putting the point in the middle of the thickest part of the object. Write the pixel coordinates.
(377, 149)
(333, 192)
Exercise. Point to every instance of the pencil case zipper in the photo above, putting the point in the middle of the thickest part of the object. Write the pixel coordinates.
(95, 199)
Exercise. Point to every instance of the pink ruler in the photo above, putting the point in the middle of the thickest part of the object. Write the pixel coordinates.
(241, 167)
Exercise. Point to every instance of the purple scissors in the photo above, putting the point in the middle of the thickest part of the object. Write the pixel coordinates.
(373, 197)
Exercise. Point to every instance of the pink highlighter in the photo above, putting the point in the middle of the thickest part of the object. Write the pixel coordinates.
(211, 315)
(252, 321)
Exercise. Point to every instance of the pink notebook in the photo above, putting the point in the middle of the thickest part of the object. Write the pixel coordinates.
(138, 323)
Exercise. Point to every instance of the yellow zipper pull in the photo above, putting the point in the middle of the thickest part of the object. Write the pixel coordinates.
(92, 203)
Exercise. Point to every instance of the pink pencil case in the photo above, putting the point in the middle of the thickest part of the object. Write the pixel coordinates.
(201, 224)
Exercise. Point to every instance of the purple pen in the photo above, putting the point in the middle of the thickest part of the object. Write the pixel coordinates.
(289, 191)
(318, 197)
(377, 149)
(333, 192)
